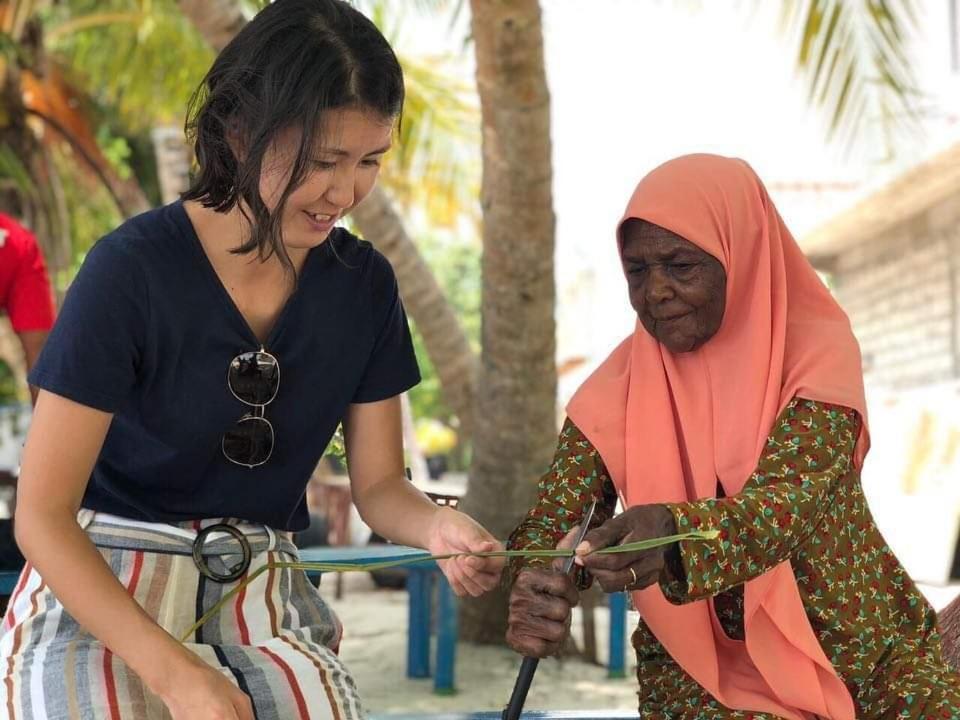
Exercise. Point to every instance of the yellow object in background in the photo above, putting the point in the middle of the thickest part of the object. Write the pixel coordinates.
(434, 437)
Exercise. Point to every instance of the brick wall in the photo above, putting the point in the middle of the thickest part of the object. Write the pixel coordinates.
(900, 289)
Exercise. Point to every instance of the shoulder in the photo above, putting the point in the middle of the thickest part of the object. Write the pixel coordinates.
(115, 254)
(145, 241)
(357, 252)
(361, 258)
(573, 440)
(146, 229)
(803, 416)
(120, 265)
(15, 239)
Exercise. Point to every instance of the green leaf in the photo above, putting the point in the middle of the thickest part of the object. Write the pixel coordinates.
(854, 56)
(825, 47)
(425, 557)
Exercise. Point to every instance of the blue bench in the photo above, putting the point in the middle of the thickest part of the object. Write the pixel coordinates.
(422, 578)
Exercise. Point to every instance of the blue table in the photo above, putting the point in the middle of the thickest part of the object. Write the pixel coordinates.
(422, 579)
(617, 662)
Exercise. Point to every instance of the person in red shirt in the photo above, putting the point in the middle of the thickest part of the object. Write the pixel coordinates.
(26, 297)
(25, 292)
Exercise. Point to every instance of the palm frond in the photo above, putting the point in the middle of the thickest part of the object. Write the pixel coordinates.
(13, 173)
(92, 20)
(853, 55)
(436, 163)
(156, 58)
(142, 57)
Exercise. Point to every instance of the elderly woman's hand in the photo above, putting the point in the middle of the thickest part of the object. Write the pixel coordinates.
(540, 607)
(631, 570)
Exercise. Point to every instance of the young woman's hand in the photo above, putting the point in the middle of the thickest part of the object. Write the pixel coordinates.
(194, 690)
(454, 532)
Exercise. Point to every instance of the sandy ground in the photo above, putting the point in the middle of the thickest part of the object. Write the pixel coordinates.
(374, 648)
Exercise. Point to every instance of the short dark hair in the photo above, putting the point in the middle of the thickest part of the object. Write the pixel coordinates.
(290, 64)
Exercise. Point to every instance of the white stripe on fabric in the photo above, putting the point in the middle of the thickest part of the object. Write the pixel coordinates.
(51, 610)
(91, 517)
(272, 537)
(339, 678)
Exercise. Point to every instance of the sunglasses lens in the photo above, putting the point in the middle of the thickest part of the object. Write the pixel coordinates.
(254, 377)
(249, 442)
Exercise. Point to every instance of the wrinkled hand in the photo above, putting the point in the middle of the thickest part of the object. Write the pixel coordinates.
(618, 572)
(540, 607)
(454, 532)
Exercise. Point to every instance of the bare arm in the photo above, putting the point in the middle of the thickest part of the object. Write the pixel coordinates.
(387, 502)
(32, 342)
(398, 511)
(64, 441)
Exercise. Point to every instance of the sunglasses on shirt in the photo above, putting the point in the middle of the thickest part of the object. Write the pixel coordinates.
(253, 378)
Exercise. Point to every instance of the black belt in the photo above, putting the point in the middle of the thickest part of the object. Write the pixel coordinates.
(200, 560)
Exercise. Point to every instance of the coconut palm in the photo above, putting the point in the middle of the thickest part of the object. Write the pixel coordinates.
(853, 56)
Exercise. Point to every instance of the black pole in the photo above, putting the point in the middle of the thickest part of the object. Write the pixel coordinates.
(520, 689)
(529, 665)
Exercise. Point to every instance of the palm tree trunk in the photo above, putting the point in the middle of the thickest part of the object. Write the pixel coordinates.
(172, 153)
(514, 444)
(949, 621)
(443, 336)
(126, 193)
(217, 20)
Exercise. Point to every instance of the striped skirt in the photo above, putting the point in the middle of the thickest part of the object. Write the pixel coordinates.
(276, 640)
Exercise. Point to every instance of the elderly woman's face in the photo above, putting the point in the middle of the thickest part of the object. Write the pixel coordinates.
(677, 289)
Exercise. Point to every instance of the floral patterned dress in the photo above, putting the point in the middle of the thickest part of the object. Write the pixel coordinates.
(803, 503)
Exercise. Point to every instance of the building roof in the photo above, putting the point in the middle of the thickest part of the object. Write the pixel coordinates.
(912, 193)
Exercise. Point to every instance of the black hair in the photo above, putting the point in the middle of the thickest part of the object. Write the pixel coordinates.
(295, 60)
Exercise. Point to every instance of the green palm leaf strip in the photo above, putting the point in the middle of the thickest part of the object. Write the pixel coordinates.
(331, 567)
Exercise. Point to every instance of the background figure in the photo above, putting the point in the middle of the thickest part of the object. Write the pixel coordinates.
(26, 297)
(25, 293)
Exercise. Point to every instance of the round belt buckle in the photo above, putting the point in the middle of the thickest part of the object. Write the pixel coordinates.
(200, 561)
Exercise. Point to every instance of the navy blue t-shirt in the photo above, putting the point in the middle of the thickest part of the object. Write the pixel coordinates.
(147, 331)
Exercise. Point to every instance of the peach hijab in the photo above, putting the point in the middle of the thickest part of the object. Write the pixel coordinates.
(670, 427)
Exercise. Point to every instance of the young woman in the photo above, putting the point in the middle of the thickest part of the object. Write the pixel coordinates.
(203, 358)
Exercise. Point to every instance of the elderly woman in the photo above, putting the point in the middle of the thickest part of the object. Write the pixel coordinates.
(737, 405)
